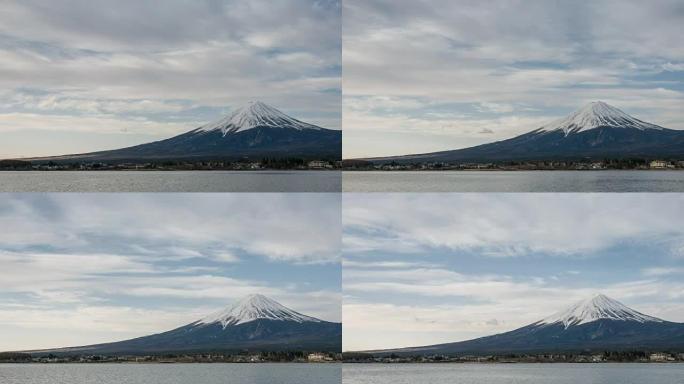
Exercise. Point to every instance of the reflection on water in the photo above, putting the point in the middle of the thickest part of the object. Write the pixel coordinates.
(514, 181)
(284, 373)
(171, 181)
(557, 373)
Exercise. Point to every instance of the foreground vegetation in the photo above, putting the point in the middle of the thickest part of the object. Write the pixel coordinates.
(582, 357)
(217, 357)
(583, 164)
(172, 165)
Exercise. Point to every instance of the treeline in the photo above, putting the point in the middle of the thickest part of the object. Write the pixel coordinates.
(279, 163)
(625, 356)
(14, 357)
(585, 356)
(15, 164)
(357, 356)
(217, 164)
(216, 356)
(627, 163)
(587, 163)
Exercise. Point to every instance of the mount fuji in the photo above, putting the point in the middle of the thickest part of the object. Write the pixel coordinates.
(254, 323)
(595, 324)
(255, 130)
(597, 131)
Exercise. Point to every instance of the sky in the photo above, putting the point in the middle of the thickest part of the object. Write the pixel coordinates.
(85, 75)
(429, 75)
(79, 269)
(421, 269)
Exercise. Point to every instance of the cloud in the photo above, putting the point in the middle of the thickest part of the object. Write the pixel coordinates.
(538, 60)
(496, 107)
(181, 61)
(89, 268)
(270, 226)
(501, 225)
(661, 271)
(441, 305)
(673, 67)
(451, 267)
(227, 257)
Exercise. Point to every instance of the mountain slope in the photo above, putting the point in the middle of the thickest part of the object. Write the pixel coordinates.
(254, 114)
(599, 323)
(597, 308)
(254, 130)
(255, 323)
(254, 307)
(594, 115)
(597, 130)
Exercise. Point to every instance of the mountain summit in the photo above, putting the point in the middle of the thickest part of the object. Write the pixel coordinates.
(254, 307)
(594, 115)
(253, 323)
(595, 131)
(596, 324)
(597, 308)
(252, 115)
(253, 131)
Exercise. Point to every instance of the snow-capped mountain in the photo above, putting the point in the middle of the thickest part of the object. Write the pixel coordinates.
(595, 131)
(252, 115)
(254, 307)
(254, 323)
(597, 323)
(596, 308)
(255, 131)
(594, 115)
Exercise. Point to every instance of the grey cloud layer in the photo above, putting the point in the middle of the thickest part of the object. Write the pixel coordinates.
(120, 266)
(507, 227)
(537, 58)
(101, 60)
(423, 269)
(270, 226)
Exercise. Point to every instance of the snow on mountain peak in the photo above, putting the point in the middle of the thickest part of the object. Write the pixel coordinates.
(596, 308)
(251, 115)
(254, 307)
(593, 115)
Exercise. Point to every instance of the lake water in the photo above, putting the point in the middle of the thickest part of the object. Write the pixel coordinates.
(170, 373)
(513, 373)
(513, 181)
(170, 181)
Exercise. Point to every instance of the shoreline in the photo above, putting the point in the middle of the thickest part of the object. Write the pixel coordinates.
(167, 362)
(508, 362)
(169, 170)
(511, 170)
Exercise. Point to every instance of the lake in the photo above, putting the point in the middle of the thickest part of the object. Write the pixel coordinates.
(513, 181)
(605, 373)
(170, 181)
(170, 373)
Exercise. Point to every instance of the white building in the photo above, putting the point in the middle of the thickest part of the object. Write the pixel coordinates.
(658, 164)
(319, 164)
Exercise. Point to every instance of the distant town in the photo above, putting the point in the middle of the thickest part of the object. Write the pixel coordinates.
(245, 357)
(588, 165)
(585, 357)
(243, 165)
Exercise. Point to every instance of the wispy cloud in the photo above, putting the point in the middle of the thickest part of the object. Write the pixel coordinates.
(450, 267)
(489, 63)
(104, 267)
(138, 68)
(501, 226)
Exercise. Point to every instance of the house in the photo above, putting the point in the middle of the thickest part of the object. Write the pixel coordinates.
(318, 357)
(660, 357)
(658, 164)
(319, 164)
